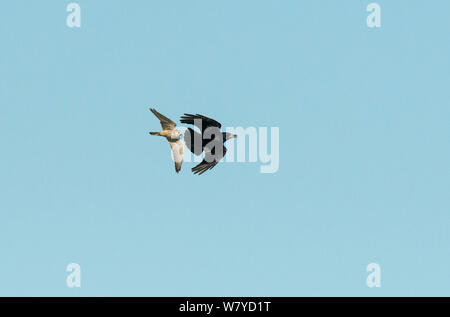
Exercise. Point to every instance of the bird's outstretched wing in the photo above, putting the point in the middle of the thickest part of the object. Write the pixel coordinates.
(203, 167)
(211, 159)
(178, 152)
(200, 121)
(166, 123)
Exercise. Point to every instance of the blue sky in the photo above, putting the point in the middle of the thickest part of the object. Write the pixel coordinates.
(364, 148)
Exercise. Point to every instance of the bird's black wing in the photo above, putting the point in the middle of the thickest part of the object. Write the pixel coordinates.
(203, 167)
(200, 121)
(212, 157)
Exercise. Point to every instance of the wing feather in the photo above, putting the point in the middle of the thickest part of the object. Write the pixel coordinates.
(166, 123)
(200, 121)
(203, 167)
(178, 152)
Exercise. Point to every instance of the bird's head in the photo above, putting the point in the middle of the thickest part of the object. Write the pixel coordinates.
(178, 133)
(228, 136)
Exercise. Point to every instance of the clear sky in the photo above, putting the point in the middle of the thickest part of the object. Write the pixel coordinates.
(364, 148)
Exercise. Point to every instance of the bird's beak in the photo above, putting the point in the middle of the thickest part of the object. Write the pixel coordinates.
(234, 136)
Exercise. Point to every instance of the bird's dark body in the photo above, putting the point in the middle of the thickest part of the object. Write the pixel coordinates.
(197, 144)
(211, 141)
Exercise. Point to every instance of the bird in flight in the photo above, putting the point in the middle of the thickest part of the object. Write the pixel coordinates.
(211, 141)
(173, 136)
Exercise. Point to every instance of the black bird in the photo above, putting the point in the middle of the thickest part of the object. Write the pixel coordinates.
(211, 140)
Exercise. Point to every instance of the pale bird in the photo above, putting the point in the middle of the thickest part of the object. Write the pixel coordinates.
(211, 141)
(173, 136)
